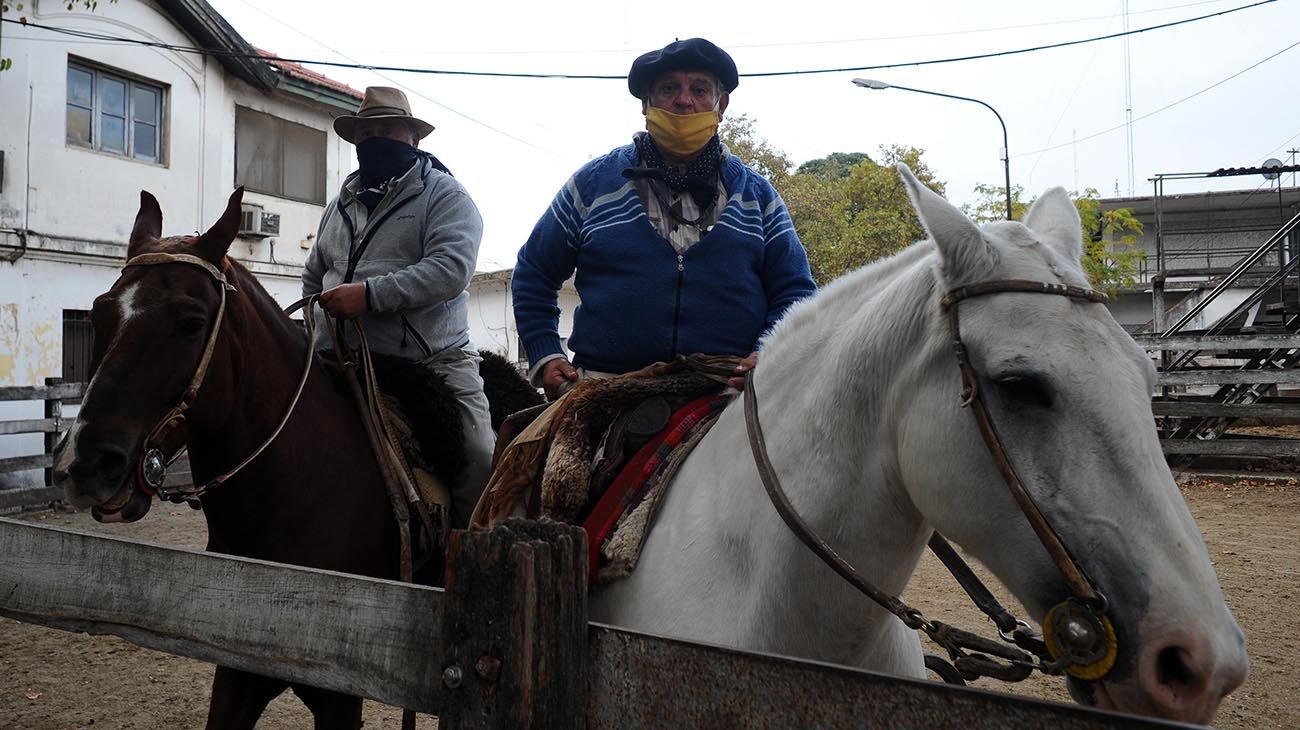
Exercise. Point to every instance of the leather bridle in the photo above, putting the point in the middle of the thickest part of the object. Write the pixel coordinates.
(166, 440)
(1078, 637)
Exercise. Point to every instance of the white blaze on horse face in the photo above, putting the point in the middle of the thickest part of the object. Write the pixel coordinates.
(127, 306)
(129, 303)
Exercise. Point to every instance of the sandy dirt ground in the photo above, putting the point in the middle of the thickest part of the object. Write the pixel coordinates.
(56, 680)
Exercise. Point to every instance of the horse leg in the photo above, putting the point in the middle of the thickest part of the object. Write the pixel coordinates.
(239, 698)
(332, 710)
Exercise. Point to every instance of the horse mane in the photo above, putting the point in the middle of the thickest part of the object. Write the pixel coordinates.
(892, 290)
(267, 309)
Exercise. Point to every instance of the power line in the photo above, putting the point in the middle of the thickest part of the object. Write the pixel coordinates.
(1163, 108)
(414, 92)
(799, 44)
(621, 77)
(1016, 52)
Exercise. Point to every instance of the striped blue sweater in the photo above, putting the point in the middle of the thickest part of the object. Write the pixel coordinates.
(641, 301)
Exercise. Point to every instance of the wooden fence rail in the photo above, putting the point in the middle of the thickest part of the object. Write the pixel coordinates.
(1270, 412)
(395, 643)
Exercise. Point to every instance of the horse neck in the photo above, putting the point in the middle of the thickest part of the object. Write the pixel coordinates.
(830, 381)
(252, 377)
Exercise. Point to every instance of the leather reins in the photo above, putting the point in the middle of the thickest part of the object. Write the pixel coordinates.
(1078, 637)
(166, 441)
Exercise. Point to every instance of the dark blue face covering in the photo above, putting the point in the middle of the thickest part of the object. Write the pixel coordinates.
(382, 159)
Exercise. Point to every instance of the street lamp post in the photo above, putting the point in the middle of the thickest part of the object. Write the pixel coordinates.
(1006, 155)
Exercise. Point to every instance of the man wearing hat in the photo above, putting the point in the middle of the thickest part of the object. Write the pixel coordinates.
(397, 248)
(676, 246)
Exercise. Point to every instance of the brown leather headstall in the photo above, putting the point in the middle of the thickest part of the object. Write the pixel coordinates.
(1079, 638)
(166, 440)
(1077, 630)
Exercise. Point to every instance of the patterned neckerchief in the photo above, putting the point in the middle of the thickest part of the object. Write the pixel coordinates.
(699, 177)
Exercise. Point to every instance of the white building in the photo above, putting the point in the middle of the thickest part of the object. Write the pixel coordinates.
(84, 127)
(492, 318)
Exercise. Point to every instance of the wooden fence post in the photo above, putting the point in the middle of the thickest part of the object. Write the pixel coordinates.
(515, 628)
(53, 409)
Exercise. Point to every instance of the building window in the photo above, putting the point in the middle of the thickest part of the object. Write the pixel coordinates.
(277, 157)
(114, 114)
(78, 345)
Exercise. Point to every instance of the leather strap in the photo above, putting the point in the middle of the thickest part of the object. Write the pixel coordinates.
(1016, 664)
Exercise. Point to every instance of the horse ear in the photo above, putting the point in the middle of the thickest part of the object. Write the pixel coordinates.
(1056, 221)
(966, 255)
(215, 241)
(148, 224)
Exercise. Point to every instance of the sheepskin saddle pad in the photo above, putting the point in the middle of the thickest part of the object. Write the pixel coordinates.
(601, 455)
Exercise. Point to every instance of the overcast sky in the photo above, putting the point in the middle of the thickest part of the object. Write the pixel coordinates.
(513, 142)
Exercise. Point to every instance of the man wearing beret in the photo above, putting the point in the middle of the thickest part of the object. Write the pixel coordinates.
(397, 248)
(675, 245)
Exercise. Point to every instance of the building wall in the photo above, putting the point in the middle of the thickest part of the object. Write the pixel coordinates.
(492, 319)
(66, 212)
(1201, 231)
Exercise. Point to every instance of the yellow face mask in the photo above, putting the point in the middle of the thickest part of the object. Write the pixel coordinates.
(681, 135)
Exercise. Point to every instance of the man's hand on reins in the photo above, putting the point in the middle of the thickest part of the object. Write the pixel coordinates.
(558, 376)
(345, 301)
(738, 382)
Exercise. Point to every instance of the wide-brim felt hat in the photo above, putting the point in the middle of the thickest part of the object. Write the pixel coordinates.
(382, 102)
(692, 54)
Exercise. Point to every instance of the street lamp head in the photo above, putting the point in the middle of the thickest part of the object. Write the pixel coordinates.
(871, 84)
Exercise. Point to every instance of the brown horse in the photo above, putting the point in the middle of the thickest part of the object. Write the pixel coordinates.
(313, 497)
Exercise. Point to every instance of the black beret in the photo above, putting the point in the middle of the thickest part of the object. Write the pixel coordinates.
(692, 54)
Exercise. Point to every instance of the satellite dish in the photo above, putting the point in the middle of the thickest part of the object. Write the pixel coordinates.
(1272, 162)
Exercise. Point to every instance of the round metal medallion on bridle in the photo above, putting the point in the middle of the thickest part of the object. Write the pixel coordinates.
(1084, 641)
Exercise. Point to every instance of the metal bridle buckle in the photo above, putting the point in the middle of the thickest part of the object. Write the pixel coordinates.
(1081, 638)
(153, 469)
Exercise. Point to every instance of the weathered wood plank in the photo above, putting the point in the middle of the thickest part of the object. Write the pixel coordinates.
(1233, 447)
(42, 392)
(11, 498)
(23, 463)
(379, 639)
(641, 682)
(515, 631)
(1227, 377)
(35, 425)
(1155, 342)
(1232, 410)
(53, 410)
(375, 638)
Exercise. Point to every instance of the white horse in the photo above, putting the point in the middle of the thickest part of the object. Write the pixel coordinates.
(859, 397)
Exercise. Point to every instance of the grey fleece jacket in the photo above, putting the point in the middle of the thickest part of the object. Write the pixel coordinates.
(415, 252)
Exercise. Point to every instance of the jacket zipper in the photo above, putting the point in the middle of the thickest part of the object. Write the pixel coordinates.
(355, 258)
(677, 307)
(420, 342)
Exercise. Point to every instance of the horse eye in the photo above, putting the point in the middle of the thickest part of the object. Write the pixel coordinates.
(1025, 390)
(190, 326)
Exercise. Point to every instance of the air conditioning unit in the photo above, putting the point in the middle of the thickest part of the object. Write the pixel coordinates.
(254, 221)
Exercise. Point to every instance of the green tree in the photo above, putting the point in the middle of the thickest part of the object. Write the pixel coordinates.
(991, 204)
(848, 210)
(836, 164)
(738, 134)
(1111, 257)
(847, 222)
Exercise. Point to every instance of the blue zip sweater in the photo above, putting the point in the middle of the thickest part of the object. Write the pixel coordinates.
(642, 302)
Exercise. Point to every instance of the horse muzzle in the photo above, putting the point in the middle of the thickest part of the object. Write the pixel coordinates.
(101, 475)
